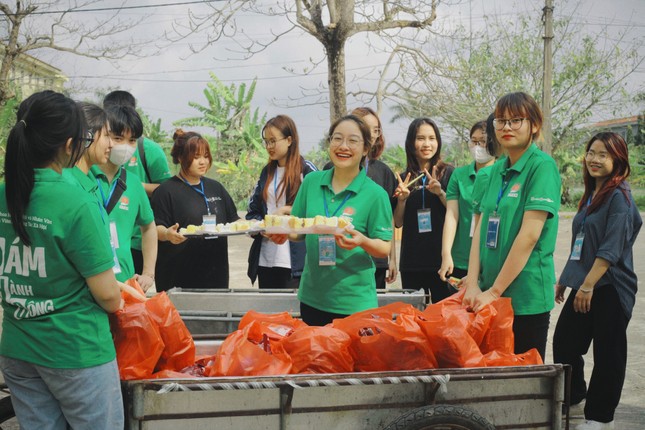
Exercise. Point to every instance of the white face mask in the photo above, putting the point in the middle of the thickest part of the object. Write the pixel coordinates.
(479, 154)
(121, 154)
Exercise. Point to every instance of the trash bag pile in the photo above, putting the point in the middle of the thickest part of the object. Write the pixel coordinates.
(397, 336)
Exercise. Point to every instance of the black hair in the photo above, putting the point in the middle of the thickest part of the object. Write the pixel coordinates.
(119, 98)
(95, 117)
(366, 133)
(410, 148)
(492, 145)
(124, 118)
(45, 121)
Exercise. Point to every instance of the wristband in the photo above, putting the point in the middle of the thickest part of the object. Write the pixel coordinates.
(585, 291)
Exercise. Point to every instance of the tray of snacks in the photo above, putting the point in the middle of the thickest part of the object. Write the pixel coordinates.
(288, 224)
(229, 229)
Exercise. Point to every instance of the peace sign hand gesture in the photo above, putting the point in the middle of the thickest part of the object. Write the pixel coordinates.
(402, 191)
(433, 185)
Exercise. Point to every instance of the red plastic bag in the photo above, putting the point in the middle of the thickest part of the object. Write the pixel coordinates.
(500, 335)
(250, 352)
(179, 350)
(137, 341)
(496, 358)
(132, 292)
(278, 325)
(385, 340)
(319, 350)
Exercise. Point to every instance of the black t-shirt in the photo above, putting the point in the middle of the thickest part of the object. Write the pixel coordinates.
(198, 262)
(422, 251)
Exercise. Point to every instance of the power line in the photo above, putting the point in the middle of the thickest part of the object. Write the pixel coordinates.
(104, 9)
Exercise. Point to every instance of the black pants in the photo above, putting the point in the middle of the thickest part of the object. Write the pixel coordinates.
(429, 281)
(379, 276)
(605, 324)
(276, 278)
(137, 258)
(531, 331)
(316, 317)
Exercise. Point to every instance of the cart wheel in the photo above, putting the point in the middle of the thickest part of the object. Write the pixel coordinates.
(441, 417)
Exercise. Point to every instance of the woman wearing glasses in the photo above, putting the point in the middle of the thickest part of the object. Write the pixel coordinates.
(278, 266)
(600, 272)
(56, 353)
(338, 278)
(184, 199)
(514, 240)
(458, 227)
(421, 209)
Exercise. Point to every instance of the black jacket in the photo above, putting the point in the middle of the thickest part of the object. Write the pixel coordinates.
(257, 210)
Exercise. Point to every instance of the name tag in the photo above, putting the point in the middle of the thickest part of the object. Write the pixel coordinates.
(114, 242)
(326, 250)
(577, 247)
(472, 226)
(424, 220)
(492, 231)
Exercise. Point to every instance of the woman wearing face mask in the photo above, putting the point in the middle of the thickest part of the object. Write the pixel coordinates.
(421, 209)
(600, 273)
(512, 247)
(56, 352)
(125, 199)
(182, 200)
(458, 226)
(278, 266)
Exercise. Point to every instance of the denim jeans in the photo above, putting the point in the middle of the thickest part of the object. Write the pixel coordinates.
(57, 399)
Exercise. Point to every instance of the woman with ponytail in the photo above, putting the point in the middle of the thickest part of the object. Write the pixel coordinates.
(56, 352)
(278, 266)
(600, 273)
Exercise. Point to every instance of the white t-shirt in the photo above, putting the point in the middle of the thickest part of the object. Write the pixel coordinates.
(272, 255)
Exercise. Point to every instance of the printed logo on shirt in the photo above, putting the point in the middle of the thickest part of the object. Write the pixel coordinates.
(214, 199)
(124, 203)
(25, 261)
(133, 162)
(515, 190)
(541, 199)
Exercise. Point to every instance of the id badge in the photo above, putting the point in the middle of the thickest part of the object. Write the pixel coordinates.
(492, 231)
(424, 220)
(577, 247)
(326, 250)
(114, 242)
(472, 226)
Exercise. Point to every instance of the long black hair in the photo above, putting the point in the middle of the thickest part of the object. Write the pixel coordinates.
(410, 149)
(44, 123)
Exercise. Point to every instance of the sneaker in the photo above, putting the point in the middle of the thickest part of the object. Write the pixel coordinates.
(595, 425)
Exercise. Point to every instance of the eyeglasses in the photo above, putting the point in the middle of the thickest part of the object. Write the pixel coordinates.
(272, 142)
(87, 141)
(352, 142)
(600, 156)
(376, 132)
(515, 123)
(477, 143)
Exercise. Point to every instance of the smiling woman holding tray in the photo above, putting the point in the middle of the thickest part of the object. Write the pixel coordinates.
(338, 278)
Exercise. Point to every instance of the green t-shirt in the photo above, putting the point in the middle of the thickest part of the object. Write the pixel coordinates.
(460, 188)
(349, 286)
(533, 184)
(132, 210)
(157, 167)
(50, 316)
(479, 188)
(87, 182)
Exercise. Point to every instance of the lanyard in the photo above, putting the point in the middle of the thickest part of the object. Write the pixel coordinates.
(275, 187)
(338, 208)
(584, 218)
(199, 191)
(423, 192)
(505, 185)
(112, 187)
(367, 164)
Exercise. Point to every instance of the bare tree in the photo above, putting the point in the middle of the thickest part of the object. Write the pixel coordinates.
(331, 22)
(30, 25)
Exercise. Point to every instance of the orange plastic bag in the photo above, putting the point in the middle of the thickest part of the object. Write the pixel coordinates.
(179, 347)
(250, 352)
(278, 325)
(132, 293)
(319, 350)
(450, 341)
(496, 358)
(382, 340)
(500, 335)
(137, 341)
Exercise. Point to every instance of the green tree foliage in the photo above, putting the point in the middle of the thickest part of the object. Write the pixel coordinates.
(238, 152)
(7, 121)
(458, 85)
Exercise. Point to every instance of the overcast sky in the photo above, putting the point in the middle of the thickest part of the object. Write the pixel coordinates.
(165, 83)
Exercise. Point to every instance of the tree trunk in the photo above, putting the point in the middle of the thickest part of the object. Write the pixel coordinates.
(336, 78)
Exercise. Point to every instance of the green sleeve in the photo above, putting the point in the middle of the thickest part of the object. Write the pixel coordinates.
(156, 161)
(543, 193)
(452, 192)
(379, 224)
(479, 189)
(299, 207)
